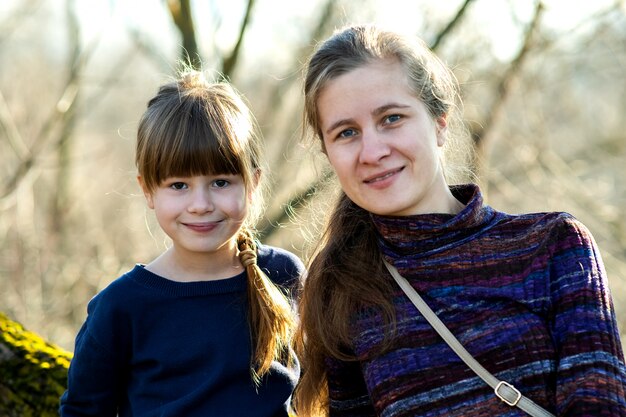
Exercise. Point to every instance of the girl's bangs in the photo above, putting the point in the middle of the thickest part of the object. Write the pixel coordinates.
(198, 149)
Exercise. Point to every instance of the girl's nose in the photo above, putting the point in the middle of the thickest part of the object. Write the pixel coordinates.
(373, 148)
(201, 202)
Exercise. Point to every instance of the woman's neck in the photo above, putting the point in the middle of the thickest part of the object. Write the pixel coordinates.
(440, 200)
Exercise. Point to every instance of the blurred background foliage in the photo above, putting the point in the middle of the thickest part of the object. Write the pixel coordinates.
(543, 84)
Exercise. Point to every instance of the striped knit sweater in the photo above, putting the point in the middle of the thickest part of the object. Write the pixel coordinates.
(527, 296)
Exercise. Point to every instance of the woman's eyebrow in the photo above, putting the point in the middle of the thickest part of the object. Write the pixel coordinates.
(382, 109)
(338, 123)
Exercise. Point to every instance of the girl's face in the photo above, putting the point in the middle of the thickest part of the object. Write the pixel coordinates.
(382, 142)
(201, 214)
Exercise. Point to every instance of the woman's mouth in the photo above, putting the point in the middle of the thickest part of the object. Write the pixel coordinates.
(382, 176)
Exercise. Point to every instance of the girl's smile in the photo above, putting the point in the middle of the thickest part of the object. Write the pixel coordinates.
(202, 227)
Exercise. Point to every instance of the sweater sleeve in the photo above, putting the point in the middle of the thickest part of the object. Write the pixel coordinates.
(284, 268)
(91, 382)
(347, 392)
(591, 375)
(94, 377)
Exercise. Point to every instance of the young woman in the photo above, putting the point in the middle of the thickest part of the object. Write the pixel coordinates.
(526, 294)
(204, 329)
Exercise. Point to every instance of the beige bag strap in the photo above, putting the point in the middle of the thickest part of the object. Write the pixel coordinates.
(503, 390)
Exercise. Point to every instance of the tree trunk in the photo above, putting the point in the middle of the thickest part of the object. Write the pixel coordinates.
(33, 372)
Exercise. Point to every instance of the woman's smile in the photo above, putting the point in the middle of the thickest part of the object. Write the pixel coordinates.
(376, 178)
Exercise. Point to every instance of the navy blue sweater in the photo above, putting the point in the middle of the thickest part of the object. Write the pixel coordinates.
(154, 347)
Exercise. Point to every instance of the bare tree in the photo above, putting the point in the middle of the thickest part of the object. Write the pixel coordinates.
(450, 26)
(181, 13)
(483, 135)
(230, 62)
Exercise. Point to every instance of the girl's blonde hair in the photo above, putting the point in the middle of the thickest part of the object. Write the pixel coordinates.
(195, 127)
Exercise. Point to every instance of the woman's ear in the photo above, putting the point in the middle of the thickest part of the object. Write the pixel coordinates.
(441, 126)
(147, 194)
(323, 146)
(256, 179)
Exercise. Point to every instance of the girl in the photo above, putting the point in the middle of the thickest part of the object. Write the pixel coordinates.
(205, 328)
(525, 294)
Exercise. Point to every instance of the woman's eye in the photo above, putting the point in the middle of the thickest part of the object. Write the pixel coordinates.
(348, 133)
(392, 118)
(178, 185)
(220, 183)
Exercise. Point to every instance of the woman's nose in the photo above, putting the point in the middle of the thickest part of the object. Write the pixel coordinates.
(373, 148)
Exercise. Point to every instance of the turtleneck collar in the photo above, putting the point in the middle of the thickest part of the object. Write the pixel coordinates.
(406, 238)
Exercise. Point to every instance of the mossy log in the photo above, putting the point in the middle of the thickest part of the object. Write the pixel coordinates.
(33, 372)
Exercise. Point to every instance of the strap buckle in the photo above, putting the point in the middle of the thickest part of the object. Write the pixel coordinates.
(504, 398)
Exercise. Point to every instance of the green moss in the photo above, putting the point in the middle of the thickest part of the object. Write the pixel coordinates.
(33, 372)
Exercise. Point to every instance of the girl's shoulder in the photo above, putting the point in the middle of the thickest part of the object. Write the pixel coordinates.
(121, 292)
(282, 266)
(112, 309)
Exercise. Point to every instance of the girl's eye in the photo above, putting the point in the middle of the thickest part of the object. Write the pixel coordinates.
(178, 186)
(220, 183)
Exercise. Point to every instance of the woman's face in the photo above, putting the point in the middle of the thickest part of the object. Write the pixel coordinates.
(382, 142)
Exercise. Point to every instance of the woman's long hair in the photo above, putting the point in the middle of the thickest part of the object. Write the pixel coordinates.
(346, 273)
(195, 127)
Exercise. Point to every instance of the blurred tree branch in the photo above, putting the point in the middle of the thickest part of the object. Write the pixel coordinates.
(324, 22)
(11, 23)
(618, 8)
(65, 141)
(59, 115)
(451, 24)
(11, 131)
(149, 50)
(230, 62)
(298, 201)
(276, 103)
(7, 124)
(181, 13)
(483, 135)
